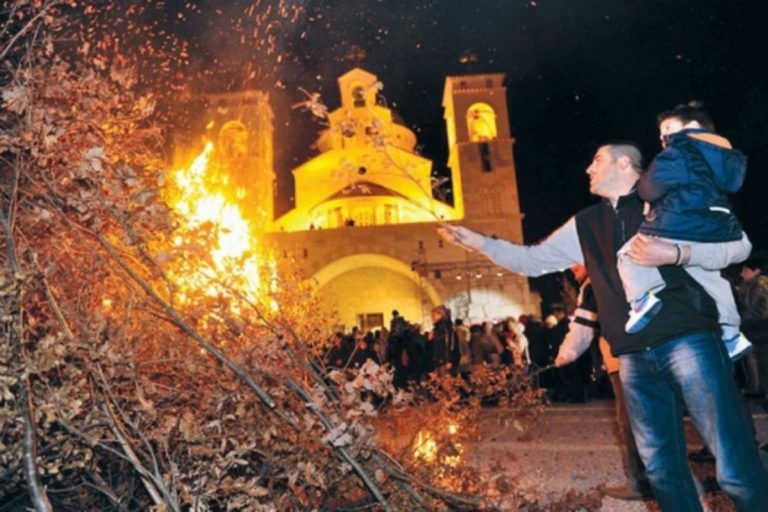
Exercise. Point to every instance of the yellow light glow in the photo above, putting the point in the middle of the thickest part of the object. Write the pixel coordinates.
(426, 447)
(199, 196)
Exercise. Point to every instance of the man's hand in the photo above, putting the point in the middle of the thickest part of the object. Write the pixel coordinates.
(649, 251)
(564, 357)
(461, 236)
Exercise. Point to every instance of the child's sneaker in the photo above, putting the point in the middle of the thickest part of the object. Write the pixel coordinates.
(738, 347)
(642, 311)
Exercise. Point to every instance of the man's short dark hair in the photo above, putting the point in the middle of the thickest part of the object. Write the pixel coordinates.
(628, 148)
(395, 312)
(754, 263)
(686, 113)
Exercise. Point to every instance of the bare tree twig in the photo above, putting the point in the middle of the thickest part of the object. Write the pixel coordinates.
(448, 497)
(155, 466)
(37, 491)
(28, 26)
(54, 304)
(104, 488)
(90, 442)
(10, 246)
(152, 483)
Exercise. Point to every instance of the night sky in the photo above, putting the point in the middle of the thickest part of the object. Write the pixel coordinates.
(579, 73)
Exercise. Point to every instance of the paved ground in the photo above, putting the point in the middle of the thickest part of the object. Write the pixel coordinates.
(573, 448)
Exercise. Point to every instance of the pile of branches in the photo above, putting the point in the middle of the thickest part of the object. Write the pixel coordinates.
(117, 393)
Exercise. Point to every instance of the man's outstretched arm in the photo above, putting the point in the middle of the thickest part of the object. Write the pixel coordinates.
(557, 252)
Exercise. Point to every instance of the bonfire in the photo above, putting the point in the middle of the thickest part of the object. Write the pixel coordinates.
(156, 356)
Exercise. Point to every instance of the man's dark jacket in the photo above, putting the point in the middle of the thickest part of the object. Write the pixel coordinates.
(686, 309)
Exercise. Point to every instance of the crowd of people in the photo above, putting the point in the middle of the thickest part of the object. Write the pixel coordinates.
(449, 347)
(455, 347)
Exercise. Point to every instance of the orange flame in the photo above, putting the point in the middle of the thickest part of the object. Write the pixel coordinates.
(199, 196)
(426, 447)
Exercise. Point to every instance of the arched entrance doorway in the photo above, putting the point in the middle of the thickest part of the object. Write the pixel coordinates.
(365, 288)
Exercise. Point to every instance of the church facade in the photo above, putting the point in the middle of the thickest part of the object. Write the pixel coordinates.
(367, 207)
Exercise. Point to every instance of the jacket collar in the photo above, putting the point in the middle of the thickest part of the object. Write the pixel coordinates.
(630, 198)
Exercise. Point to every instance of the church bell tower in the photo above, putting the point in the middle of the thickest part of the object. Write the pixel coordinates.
(480, 155)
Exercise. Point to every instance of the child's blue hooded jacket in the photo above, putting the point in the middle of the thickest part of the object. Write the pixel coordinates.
(687, 185)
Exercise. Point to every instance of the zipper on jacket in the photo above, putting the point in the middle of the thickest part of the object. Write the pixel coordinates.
(622, 225)
(623, 231)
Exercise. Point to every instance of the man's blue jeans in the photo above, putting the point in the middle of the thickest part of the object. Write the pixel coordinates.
(695, 371)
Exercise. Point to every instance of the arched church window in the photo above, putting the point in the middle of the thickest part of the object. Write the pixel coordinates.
(481, 122)
(358, 95)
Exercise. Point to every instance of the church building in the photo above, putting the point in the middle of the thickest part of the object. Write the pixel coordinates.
(367, 207)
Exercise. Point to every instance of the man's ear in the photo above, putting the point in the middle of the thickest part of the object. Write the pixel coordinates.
(623, 162)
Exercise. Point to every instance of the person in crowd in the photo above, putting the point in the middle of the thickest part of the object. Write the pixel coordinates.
(582, 334)
(677, 359)
(491, 345)
(465, 356)
(406, 352)
(518, 343)
(686, 188)
(506, 336)
(337, 356)
(476, 344)
(538, 348)
(558, 329)
(534, 331)
(442, 338)
(568, 382)
(753, 299)
(364, 350)
(381, 345)
(416, 343)
(398, 324)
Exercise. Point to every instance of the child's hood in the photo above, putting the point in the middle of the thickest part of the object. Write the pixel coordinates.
(728, 165)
